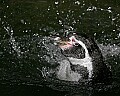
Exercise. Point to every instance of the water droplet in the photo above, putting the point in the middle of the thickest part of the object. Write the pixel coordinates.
(116, 38)
(26, 31)
(60, 22)
(22, 21)
(109, 11)
(109, 8)
(102, 31)
(83, 13)
(116, 63)
(91, 8)
(119, 35)
(2, 22)
(4, 16)
(118, 14)
(63, 1)
(62, 11)
(83, 4)
(95, 34)
(56, 3)
(74, 21)
(48, 9)
(113, 19)
(113, 30)
(77, 2)
(58, 13)
(72, 11)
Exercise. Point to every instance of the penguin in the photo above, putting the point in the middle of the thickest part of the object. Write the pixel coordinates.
(85, 60)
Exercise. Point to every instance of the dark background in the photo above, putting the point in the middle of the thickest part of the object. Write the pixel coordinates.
(99, 19)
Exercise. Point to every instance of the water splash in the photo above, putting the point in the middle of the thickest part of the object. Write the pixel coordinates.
(12, 40)
(109, 50)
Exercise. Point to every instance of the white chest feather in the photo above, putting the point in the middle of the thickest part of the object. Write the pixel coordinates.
(65, 72)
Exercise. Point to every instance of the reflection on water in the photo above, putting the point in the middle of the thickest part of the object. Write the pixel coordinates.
(99, 19)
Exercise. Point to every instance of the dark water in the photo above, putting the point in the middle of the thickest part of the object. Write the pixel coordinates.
(99, 19)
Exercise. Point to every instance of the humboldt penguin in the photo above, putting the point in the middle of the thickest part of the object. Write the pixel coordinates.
(85, 61)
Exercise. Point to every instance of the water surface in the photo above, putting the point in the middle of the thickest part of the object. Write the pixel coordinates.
(99, 19)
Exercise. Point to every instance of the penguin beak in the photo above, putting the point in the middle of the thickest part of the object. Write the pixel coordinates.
(68, 44)
(64, 45)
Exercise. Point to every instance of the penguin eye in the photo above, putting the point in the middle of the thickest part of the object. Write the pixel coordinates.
(73, 40)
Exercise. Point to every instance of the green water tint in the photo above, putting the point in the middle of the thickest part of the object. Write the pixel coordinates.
(29, 17)
(99, 19)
